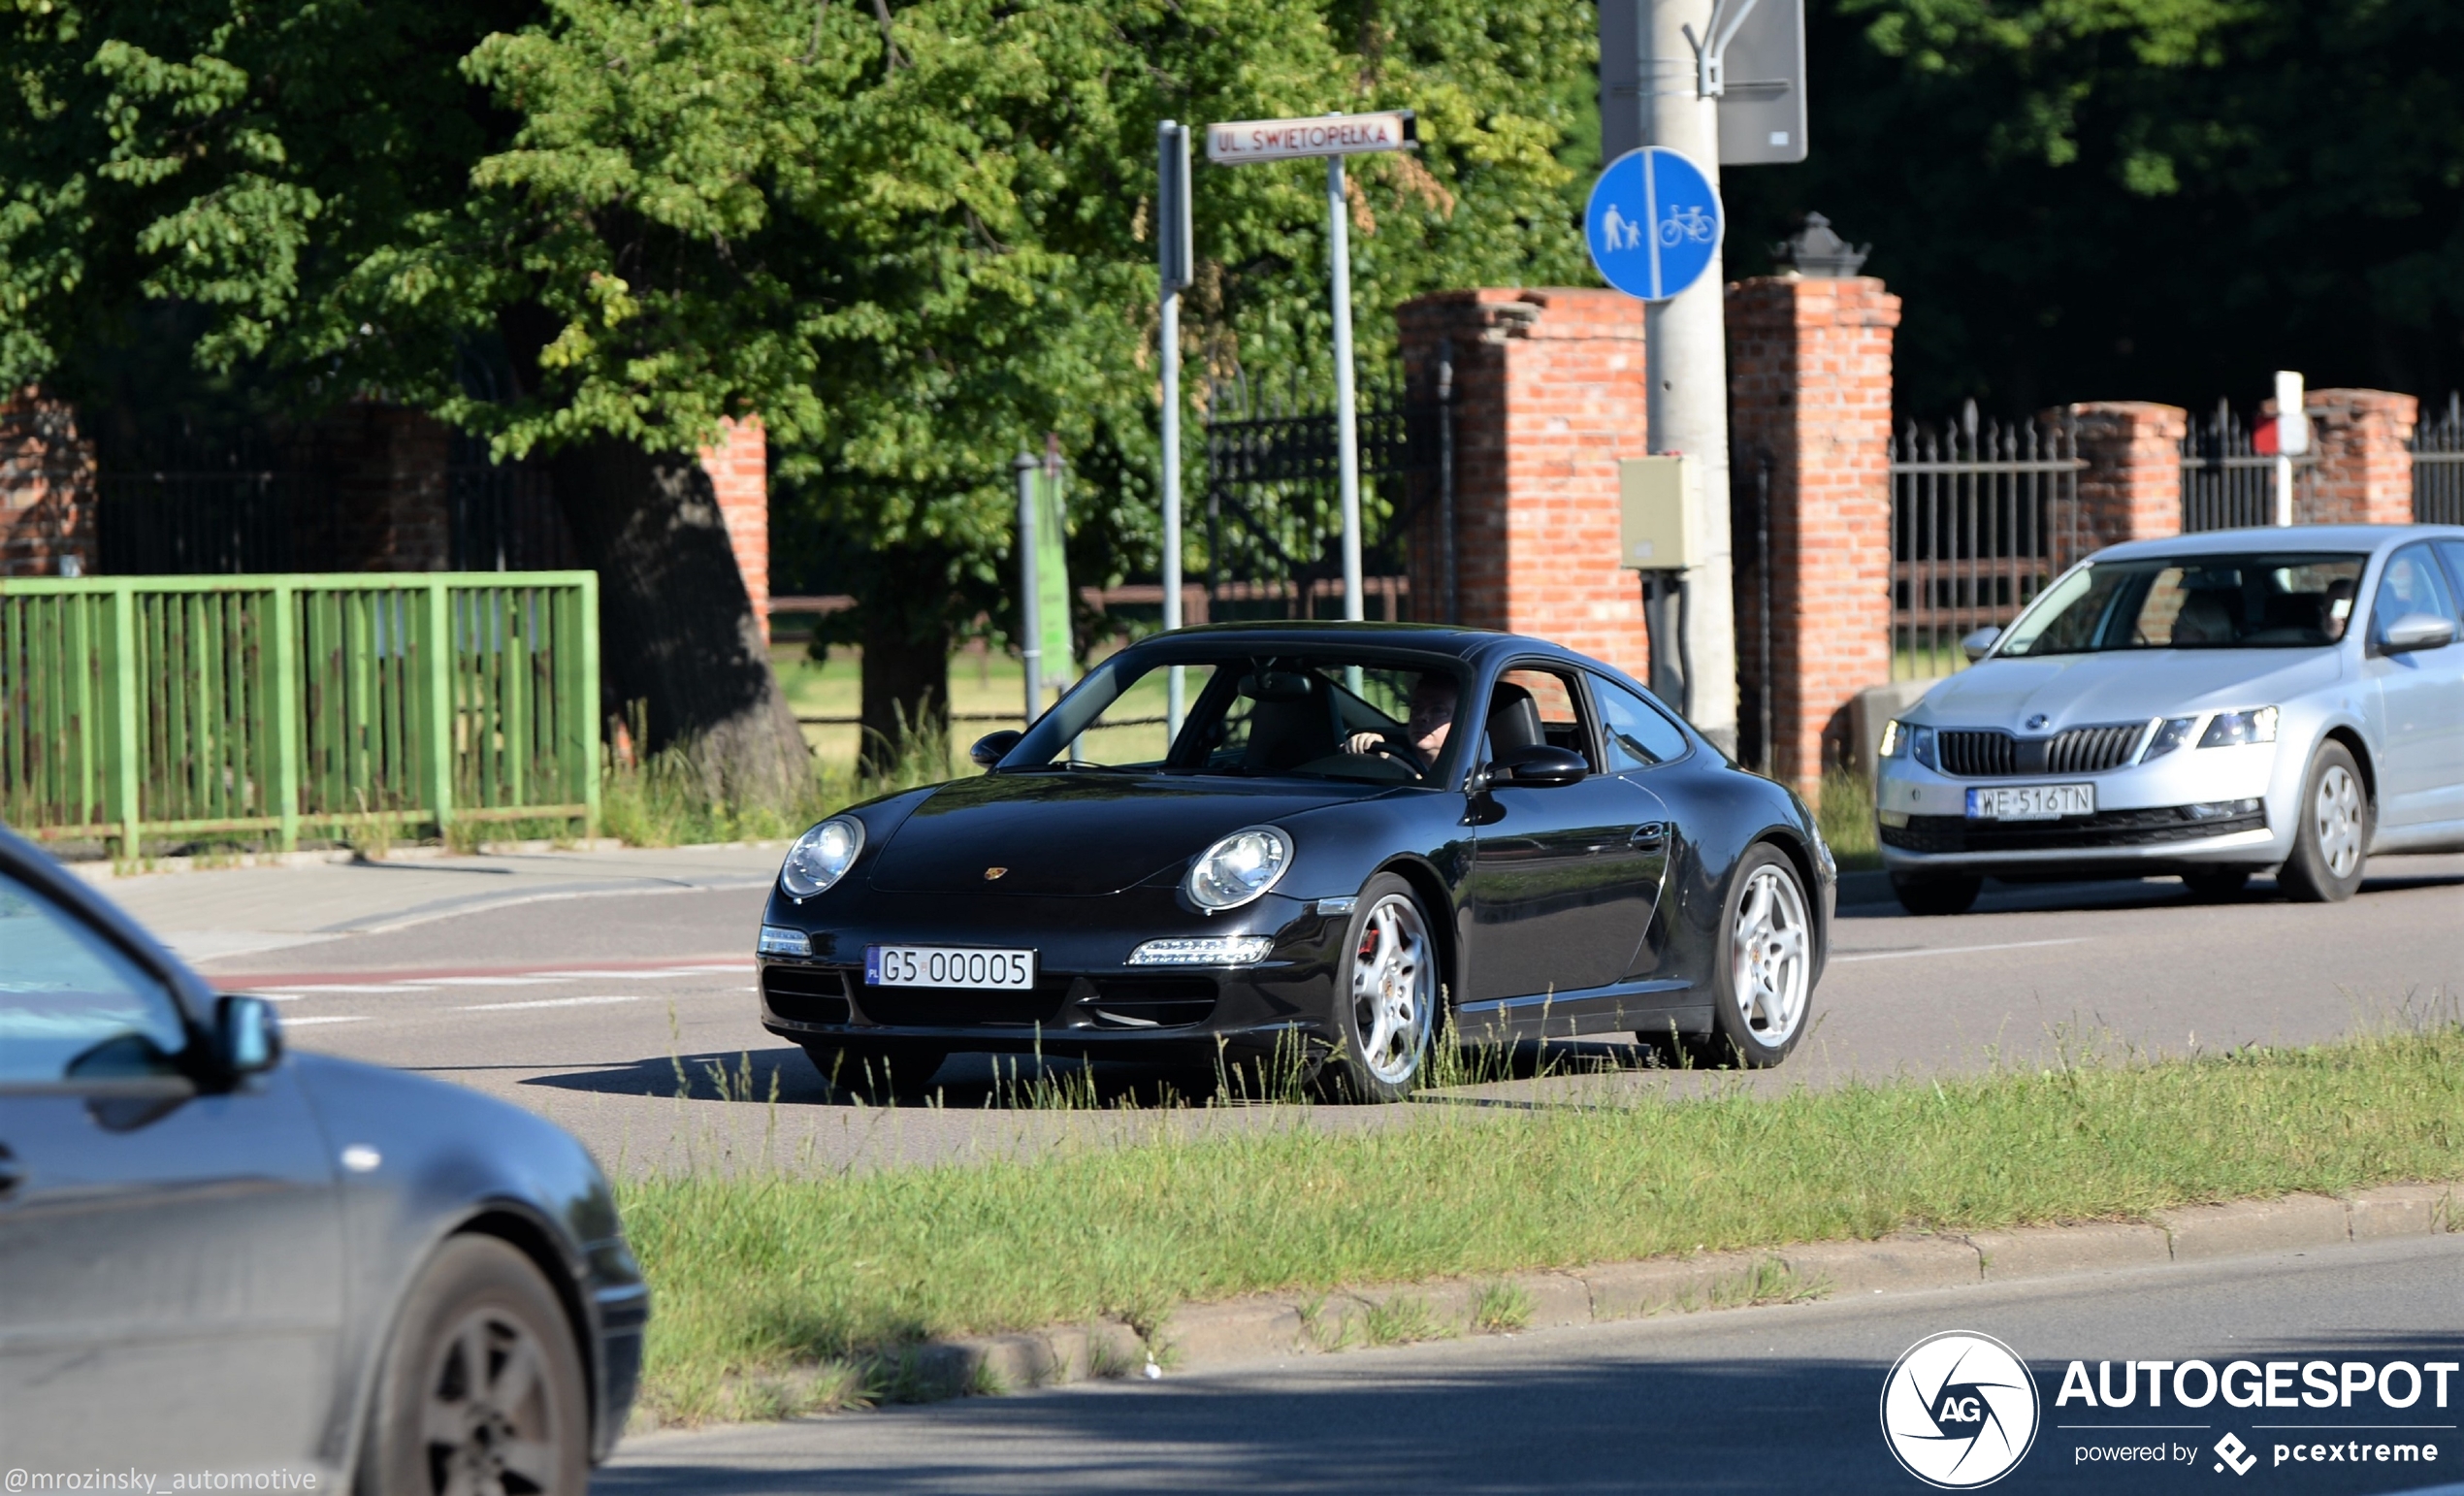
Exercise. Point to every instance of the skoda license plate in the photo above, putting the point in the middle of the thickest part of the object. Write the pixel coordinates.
(2031, 803)
(944, 965)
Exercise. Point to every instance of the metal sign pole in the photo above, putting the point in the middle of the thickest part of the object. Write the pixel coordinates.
(1173, 254)
(1347, 426)
(1030, 625)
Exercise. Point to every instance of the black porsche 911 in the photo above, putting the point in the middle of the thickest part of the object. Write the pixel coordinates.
(1355, 829)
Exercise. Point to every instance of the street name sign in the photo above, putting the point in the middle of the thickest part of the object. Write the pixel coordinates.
(1654, 223)
(1244, 141)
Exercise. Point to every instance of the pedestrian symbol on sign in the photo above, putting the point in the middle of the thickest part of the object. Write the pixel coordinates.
(1654, 223)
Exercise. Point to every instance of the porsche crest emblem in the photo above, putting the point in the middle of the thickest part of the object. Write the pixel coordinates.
(991, 873)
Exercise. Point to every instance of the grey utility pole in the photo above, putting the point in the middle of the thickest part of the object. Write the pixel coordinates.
(1346, 424)
(1686, 344)
(1030, 625)
(1173, 257)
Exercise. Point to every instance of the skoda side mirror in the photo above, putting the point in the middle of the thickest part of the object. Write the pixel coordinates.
(1538, 767)
(1977, 645)
(247, 1037)
(2418, 631)
(993, 747)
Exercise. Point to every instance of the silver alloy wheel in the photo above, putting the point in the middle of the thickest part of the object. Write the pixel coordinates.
(2338, 815)
(1771, 956)
(488, 1422)
(1393, 990)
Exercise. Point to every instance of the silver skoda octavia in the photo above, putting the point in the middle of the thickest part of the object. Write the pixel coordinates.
(2208, 705)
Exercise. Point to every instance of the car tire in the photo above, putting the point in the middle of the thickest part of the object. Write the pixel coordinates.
(1762, 968)
(1386, 985)
(2332, 825)
(1936, 893)
(483, 1388)
(878, 1071)
(2213, 885)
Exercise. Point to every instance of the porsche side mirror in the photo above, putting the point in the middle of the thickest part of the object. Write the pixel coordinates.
(993, 747)
(1979, 644)
(2418, 631)
(1538, 767)
(247, 1038)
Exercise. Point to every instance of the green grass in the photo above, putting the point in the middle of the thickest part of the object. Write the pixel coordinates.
(1844, 811)
(763, 1280)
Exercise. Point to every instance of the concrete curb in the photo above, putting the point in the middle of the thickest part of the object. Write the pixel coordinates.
(1276, 1326)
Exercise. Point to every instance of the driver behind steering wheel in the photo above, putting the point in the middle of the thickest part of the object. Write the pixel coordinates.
(1431, 715)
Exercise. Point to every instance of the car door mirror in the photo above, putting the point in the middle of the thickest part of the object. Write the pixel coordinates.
(1977, 645)
(2418, 631)
(247, 1036)
(1540, 766)
(993, 747)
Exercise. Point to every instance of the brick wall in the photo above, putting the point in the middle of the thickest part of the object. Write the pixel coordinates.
(1809, 394)
(46, 488)
(2131, 488)
(2365, 463)
(739, 469)
(1549, 398)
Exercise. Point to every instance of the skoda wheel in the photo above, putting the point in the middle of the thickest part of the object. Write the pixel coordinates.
(481, 1391)
(1385, 994)
(2331, 837)
(1763, 976)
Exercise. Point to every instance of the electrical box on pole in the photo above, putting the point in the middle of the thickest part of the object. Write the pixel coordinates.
(1655, 514)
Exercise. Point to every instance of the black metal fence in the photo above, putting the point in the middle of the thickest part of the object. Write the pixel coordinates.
(1273, 502)
(501, 516)
(1982, 515)
(2437, 466)
(186, 507)
(2227, 482)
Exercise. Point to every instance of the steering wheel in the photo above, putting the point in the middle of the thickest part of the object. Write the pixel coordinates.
(1397, 750)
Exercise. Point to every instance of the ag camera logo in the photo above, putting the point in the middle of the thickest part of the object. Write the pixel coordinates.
(1960, 1409)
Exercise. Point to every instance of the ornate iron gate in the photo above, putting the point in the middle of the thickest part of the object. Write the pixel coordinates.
(2227, 482)
(1982, 516)
(2438, 466)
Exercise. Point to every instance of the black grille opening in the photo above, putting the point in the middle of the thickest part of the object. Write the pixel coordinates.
(1977, 754)
(1151, 1002)
(807, 994)
(2106, 829)
(2092, 750)
(937, 1007)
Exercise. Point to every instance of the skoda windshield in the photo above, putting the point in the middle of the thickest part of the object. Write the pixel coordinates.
(2266, 600)
(1373, 717)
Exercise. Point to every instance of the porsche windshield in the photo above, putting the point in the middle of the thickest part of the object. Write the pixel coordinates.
(2263, 601)
(1317, 715)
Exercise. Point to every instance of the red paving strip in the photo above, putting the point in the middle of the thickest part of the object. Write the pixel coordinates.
(240, 982)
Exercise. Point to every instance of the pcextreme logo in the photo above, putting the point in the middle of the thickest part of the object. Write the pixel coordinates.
(1960, 1409)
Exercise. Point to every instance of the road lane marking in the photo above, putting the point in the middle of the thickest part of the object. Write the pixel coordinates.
(551, 1002)
(492, 981)
(311, 988)
(1952, 950)
(328, 1018)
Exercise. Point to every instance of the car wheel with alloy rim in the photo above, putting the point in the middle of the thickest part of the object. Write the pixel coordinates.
(2331, 837)
(1763, 979)
(1386, 994)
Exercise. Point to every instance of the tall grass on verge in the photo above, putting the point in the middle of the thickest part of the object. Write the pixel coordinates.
(668, 800)
(1844, 812)
(759, 1275)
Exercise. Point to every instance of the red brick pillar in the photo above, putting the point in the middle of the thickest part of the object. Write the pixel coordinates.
(739, 469)
(1549, 393)
(46, 488)
(2363, 439)
(2131, 488)
(1809, 395)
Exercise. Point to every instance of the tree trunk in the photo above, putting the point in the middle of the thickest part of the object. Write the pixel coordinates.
(906, 618)
(676, 626)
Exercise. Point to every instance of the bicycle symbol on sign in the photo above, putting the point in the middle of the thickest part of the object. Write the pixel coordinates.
(1686, 223)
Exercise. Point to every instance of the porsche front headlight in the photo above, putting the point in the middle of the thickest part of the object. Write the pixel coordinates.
(821, 856)
(1239, 868)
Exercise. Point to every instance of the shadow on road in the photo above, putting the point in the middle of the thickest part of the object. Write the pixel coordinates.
(2001, 896)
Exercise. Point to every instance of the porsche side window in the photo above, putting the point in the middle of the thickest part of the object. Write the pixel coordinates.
(1637, 734)
(1553, 713)
(72, 1007)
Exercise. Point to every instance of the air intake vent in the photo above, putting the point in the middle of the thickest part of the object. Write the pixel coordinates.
(2092, 750)
(807, 995)
(1975, 755)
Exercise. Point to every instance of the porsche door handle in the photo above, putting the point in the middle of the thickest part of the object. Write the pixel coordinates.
(1649, 836)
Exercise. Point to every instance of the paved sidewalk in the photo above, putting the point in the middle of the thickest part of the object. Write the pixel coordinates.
(215, 916)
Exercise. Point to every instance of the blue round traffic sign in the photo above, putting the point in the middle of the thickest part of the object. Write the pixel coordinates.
(1654, 223)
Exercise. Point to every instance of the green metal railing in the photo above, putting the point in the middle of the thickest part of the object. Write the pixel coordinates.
(173, 706)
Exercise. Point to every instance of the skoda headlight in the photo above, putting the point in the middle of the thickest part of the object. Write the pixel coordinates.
(1895, 738)
(2170, 734)
(2232, 730)
(1239, 868)
(821, 856)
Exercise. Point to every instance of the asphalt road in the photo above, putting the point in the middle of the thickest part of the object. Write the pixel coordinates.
(1778, 1399)
(628, 1014)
